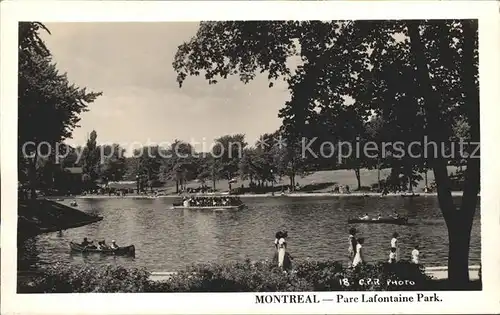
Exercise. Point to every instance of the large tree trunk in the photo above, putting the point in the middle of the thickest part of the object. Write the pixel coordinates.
(459, 223)
(425, 178)
(358, 177)
(472, 173)
(459, 230)
(410, 183)
(32, 175)
(378, 174)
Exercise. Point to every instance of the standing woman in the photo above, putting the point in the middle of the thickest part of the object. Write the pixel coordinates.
(283, 257)
(278, 236)
(359, 257)
(352, 244)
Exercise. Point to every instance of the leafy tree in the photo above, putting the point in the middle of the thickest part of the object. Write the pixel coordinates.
(288, 160)
(375, 133)
(48, 104)
(227, 152)
(149, 165)
(112, 162)
(91, 157)
(179, 164)
(257, 163)
(435, 63)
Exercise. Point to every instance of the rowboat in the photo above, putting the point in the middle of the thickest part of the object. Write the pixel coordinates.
(409, 195)
(126, 250)
(241, 206)
(381, 220)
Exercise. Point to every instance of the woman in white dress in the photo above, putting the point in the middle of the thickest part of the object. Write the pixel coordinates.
(281, 252)
(282, 257)
(394, 243)
(358, 258)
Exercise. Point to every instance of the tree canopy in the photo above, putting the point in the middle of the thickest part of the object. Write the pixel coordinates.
(49, 105)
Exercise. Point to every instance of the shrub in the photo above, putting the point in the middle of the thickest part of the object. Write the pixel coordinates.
(233, 277)
(61, 278)
(322, 275)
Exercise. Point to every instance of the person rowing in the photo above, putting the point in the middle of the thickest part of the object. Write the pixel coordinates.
(114, 245)
(88, 244)
(104, 245)
(365, 217)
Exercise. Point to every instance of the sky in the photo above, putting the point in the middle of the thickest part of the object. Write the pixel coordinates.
(131, 63)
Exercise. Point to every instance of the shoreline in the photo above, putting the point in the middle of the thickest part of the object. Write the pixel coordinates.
(266, 195)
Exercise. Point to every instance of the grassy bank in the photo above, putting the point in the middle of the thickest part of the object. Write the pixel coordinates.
(42, 216)
(319, 182)
(236, 277)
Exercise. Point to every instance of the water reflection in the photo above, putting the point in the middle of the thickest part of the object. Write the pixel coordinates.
(168, 239)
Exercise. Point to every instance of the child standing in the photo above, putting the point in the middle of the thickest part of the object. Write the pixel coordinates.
(392, 256)
(394, 243)
(415, 255)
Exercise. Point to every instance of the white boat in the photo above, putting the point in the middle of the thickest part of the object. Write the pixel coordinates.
(241, 206)
(205, 202)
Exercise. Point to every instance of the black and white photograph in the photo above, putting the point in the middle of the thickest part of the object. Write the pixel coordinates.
(290, 156)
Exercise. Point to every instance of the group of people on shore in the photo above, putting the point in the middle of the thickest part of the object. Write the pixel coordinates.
(99, 245)
(284, 260)
(341, 189)
(356, 249)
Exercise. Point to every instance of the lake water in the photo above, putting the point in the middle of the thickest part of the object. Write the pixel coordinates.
(168, 240)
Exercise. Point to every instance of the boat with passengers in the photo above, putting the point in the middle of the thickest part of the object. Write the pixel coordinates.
(210, 202)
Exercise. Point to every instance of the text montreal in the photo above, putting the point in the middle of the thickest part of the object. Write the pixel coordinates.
(286, 298)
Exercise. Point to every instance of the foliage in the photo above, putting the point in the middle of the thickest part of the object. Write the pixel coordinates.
(246, 276)
(228, 151)
(49, 105)
(149, 164)
(61, 278)
(112, 162)
(91, 157)
(179, 163)
(419, 76)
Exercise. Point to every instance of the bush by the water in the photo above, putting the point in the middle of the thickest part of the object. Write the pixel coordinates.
(61, 278)
(232, 277)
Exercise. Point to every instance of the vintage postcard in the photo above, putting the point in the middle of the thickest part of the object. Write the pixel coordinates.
(250, 157)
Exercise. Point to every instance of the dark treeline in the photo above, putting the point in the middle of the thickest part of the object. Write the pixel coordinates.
(263, 163)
